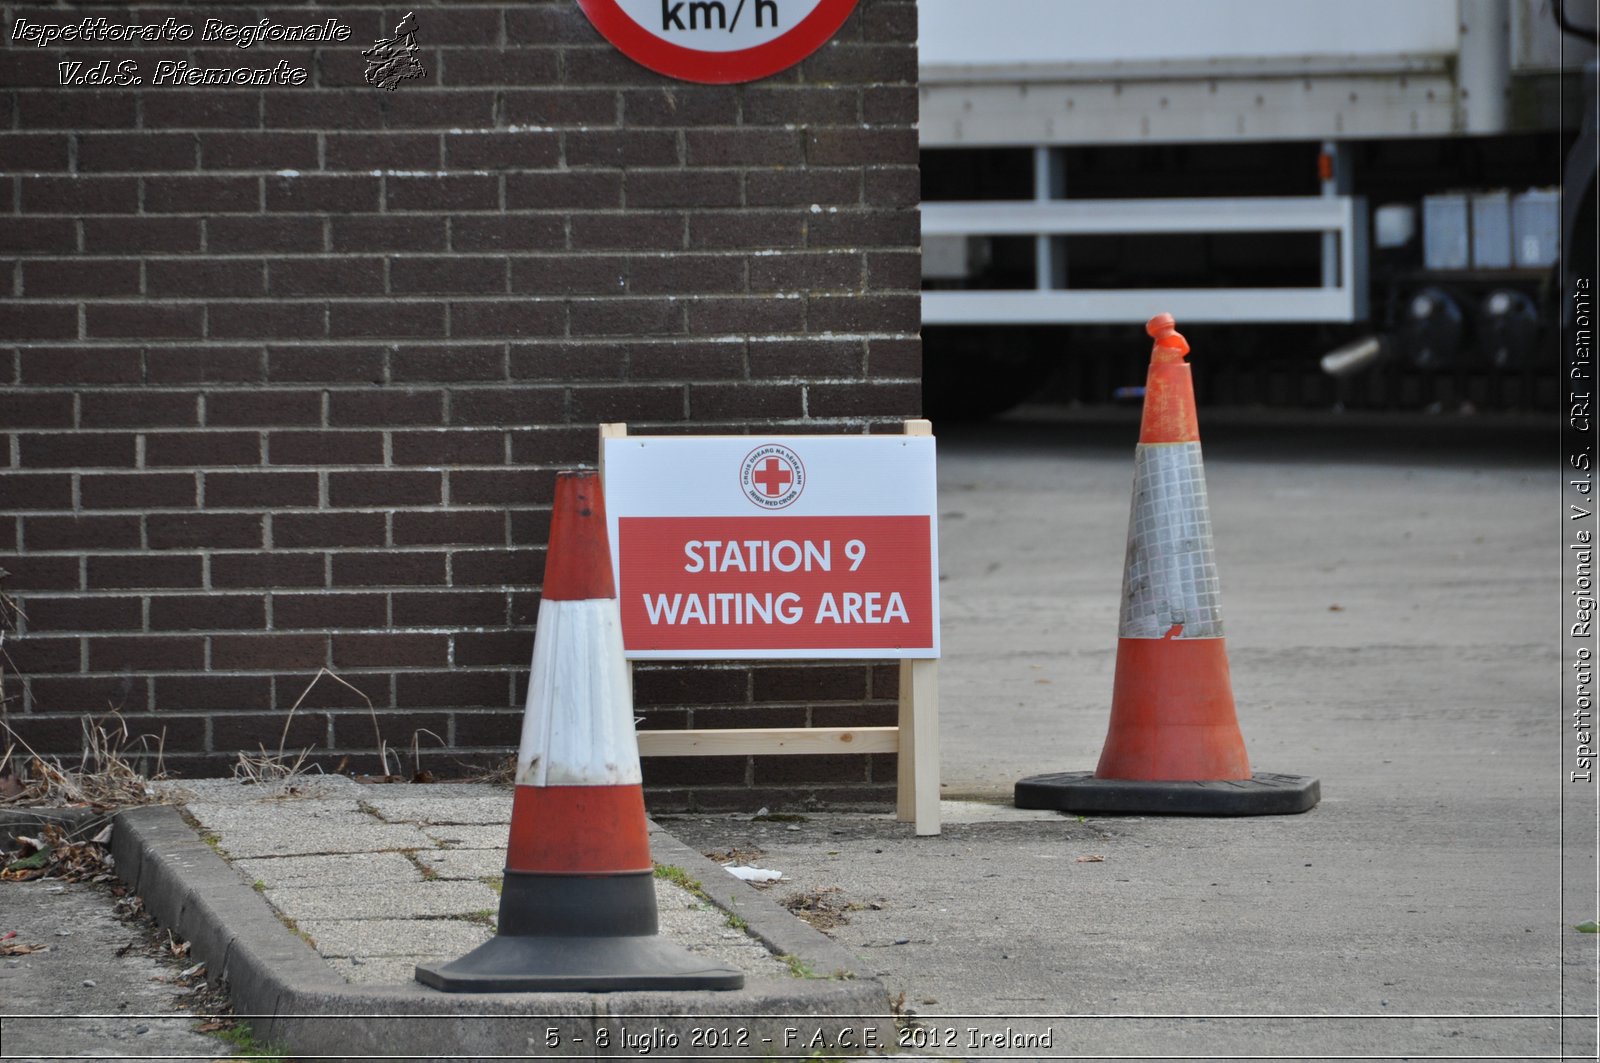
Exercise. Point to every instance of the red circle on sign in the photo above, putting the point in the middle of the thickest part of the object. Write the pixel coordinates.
(717, 68)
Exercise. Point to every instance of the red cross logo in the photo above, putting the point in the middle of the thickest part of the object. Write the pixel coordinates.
(773, 476)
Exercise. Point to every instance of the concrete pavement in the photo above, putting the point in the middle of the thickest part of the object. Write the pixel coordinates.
(1390, 590)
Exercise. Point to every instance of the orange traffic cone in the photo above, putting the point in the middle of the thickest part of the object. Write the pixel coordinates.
(1174, 744)
(578, 907)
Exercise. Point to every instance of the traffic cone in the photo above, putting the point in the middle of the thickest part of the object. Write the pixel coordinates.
(578, 907)
(1173, 745)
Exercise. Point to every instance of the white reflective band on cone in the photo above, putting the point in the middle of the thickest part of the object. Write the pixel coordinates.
(1171, 574)
(578, 727)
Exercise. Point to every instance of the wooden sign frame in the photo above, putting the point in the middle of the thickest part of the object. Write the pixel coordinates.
(915, 737)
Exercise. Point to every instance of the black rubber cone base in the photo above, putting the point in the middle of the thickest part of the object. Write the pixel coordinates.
(1262, 794)
(507, 964)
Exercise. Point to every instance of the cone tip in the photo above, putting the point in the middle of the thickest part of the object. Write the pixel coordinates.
(578, 561)
(1170, 344)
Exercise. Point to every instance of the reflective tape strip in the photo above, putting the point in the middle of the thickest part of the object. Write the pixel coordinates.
(1170, 577)
(578, 726)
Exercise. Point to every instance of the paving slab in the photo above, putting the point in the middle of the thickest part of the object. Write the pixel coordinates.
(409, 897)
(338, 984)
(463, 863)
(342, 869)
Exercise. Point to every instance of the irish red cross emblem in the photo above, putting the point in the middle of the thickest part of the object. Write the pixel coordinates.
(772, 476)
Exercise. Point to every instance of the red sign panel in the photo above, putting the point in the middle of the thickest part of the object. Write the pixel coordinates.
(772, 582)
(717, 42)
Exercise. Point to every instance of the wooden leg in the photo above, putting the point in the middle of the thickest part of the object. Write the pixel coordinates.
(917, 792)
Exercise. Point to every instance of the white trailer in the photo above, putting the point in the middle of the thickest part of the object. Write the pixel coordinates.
(1374, 172)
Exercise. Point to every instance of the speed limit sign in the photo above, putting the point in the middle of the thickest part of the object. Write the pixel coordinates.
(717, 42)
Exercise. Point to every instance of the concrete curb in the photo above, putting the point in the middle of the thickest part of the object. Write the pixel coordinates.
(296, 1000)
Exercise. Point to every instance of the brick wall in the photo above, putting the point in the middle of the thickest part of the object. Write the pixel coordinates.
(289, 371)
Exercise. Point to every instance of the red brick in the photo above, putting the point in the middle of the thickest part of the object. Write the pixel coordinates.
(325, 364)
(453, 275)
(684, 273)
(385, 489)
(205, 531)
(86, 449)
(817, 683)
(394, 568)
(562, 361)
(864, 228)
(268, 652)
(34, 151)
(408, 320)
(453, 688)
(325, 448)
(806, 358)
(682, 106)
(520, 66)
(509, 648)
(496, 568)
(260, 490)
(449, 609)
(498, 729)
(802, 105)
(500, 486)
(694, 771)
(355, 730)
(384, 232)
(204, 365)
(266, 570)
(126, 571)
(502, 151)
(36, 410)
(87, 613)
(38, 321)
(449, 528)
(638, 403)
(152, 409)
(36, 490)
(567, 275)
(457, 362)
(507, 405)
(742, 315)
(38, 235)
(187, 110)
(864, 313)
(243, 234)
(208, 612)
(33, 572)
(258, 151)
(146, 653)
(391, 150)
(386, 407)
(690, 685)
(442, 193)
(563, 190)
(205, 277)
(266, 320)
(80, 195)
(143, 321)
(325, 276)
(803, 186)
(627, 317)
(90, 694)
(743, 147)
(638, 231)
(448, 448)
(799, 770)
(324, 193)
(554, 446)
(756, 230)
(862, 400)
(745, 401)
(135, 152)
(264, 408)
(137, 490)
(807, 271)
(201, 449)
(559, 106)
(213, 693)
(391, 651)
(329, 610)
(316, 530)
(169, 194)
(56, 277)
(31, 654)
(80, 533)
